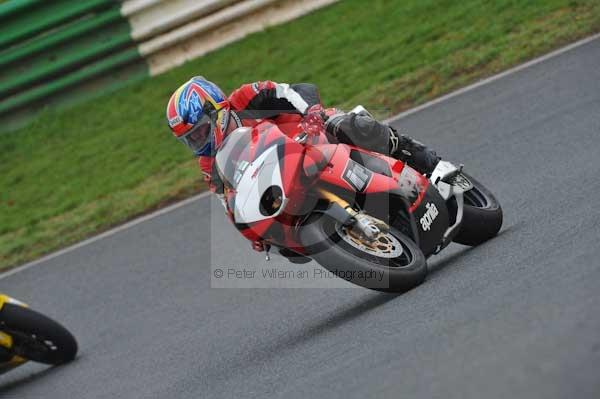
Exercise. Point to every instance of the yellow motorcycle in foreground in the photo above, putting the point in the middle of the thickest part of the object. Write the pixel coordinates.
(28, 335)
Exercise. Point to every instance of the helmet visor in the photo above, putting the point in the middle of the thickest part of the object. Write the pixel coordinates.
(199, 135)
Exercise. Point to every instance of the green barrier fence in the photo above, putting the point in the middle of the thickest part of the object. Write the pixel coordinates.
(55, 50)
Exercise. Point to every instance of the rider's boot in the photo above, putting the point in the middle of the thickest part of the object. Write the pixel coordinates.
(413, 152)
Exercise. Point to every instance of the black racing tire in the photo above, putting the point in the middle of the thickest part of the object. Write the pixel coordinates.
(37, 337)
(482, 217)
(324, 244)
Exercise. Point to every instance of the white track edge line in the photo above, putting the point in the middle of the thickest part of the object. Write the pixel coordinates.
(493, 78)
(107, 233)
(401, 115)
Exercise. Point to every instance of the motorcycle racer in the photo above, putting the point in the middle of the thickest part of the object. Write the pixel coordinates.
(200, 115)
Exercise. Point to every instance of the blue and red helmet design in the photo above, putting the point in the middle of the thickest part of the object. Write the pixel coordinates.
(193, 100)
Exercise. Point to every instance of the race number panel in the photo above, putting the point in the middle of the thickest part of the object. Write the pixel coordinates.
(357, 176)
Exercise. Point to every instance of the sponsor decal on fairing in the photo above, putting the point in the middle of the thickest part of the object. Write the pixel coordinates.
(429, 216)
(357, 176)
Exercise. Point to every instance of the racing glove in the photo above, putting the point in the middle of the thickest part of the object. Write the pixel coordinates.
(314, 119)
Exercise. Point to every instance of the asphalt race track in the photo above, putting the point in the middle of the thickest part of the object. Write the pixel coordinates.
(516, 317)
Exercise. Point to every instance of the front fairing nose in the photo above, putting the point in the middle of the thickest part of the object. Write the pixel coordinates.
(257, 179)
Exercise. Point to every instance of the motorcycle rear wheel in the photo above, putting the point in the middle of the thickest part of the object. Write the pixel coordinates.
(482, 216)
(37, 337)
(400, 266)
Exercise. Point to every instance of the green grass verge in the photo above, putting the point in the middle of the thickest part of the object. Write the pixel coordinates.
(78, 171)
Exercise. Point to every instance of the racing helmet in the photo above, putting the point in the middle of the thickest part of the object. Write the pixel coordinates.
(198, 114)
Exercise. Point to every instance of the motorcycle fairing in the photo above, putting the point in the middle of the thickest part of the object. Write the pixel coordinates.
(6, 299)
(398, 178)
(254, 181)
(432, 220)
(270, 159)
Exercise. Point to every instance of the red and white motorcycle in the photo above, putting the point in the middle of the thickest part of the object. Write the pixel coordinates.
(364, 216)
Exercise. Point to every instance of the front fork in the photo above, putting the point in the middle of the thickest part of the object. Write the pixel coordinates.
(443, 179)
(338, 209)
(453, 230)
(361, 224)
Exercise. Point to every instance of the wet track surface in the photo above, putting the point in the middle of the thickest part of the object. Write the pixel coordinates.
(516, 317)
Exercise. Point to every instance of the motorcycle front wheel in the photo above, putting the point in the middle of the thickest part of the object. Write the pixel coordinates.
(482, 215)
(37, 337)
(391, 263)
